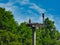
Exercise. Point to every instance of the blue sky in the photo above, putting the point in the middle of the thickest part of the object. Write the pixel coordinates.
(25, 9)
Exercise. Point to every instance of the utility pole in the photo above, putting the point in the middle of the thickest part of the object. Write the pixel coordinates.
(34, 26)
(43, 17)
(34, 36)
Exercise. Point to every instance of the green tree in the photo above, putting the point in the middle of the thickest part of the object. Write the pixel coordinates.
(13, 34)
(7, 21)
(25, 33)
(48, 35)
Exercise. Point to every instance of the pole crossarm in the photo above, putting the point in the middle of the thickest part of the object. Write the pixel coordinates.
(37, 25)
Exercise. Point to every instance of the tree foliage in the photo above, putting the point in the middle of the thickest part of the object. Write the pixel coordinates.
(13, 34)
(7, 21)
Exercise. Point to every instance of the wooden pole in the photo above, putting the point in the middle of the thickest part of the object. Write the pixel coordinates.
(34, 36)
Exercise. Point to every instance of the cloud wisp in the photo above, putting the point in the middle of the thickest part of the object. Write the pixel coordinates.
(10, 6)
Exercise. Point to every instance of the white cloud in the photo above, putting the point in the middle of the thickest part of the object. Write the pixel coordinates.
(25, 2)
(22, 2)
(37, 8)
(9, 6)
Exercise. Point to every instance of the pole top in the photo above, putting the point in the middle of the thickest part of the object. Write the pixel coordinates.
(29, 20)
(43, 15)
